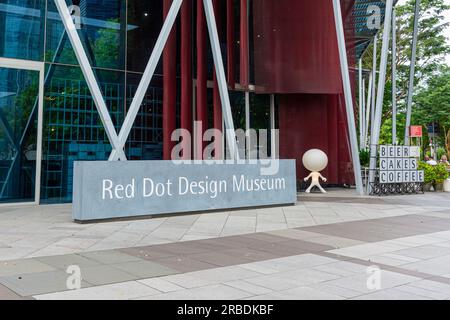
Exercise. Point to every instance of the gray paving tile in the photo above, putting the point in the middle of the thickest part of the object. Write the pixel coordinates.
(266, 237)
(64, 261)
(308, 293)
(359, 282)
(291, 247)
(185, 248)
(391, 294)
(115, 291)
(248, 287)
(213, 292)
(14, 267)
(435, 266)
(248, 254)
(38, 283)
(102, 275)
(109, 256)
(144, 269)
(219, 259)
(424, 252)
(241, 241)
(184, 264)
(274, 282)
(7, 294)
(146, 253)
(161, 285)
(431, 294)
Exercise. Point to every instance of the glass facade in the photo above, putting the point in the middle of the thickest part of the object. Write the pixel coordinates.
(118, 37)
(22, 29)
(72, 130)
(19, 92)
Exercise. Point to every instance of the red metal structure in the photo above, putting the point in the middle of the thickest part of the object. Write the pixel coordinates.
(284, 47)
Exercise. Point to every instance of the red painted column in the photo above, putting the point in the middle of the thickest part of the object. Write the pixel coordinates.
(218, 120)
(244, 46)
(231, 64)
(170, 87)
(202, 103)
(186, 71)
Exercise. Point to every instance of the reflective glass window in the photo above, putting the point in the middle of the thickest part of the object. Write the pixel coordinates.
(18, 134)
(72, 127)
(22, 29)
(102, 29)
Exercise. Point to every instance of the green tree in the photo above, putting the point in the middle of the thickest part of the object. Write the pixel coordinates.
(433, 104)
(432, 47)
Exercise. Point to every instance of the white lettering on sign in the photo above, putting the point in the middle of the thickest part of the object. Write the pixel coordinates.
(118, 191)
(185, 187)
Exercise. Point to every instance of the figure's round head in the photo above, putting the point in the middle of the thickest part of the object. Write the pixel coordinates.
(315, 160)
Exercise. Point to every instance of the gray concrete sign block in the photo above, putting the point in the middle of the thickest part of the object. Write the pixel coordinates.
(107, 190)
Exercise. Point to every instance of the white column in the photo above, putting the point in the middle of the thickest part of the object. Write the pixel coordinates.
(412, 72)
(248, 142)
(368, 110)
(221, 79)
(37, 192)
(374, 139)
(394, 79)
(363, 115)
(360, 104)
(374, 83)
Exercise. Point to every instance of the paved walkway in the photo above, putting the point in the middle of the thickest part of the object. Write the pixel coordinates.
(319, 249)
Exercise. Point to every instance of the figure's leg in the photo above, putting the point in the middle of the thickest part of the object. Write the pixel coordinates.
(310, 187)
(320, 188)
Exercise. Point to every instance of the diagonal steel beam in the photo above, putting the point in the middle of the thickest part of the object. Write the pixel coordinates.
(360, 104)
(368, 109)
(412, 72)
(221, 80)
(91, 81)
(147, 77)
(375, 134)
(153, 62)
(348, 95)
(394, 78)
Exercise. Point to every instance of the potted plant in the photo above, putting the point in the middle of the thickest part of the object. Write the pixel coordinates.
(429, 175)
(441, 174)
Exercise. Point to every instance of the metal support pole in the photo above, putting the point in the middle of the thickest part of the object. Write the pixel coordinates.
(368, 110)
(363, 115)
(221, 79)
(248, 142)
(394, 79)
(273, 142)
(348, 95)
(360, 104)
(374, 83)
(374, 139)
(412, 72)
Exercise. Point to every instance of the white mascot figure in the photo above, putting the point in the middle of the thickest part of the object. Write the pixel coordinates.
(315, 161)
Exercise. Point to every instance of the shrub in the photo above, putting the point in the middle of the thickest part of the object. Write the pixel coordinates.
(364, 157)
(429, 172)
(441, 173)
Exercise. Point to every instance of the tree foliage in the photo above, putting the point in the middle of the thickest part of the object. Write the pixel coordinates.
(431, 71)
